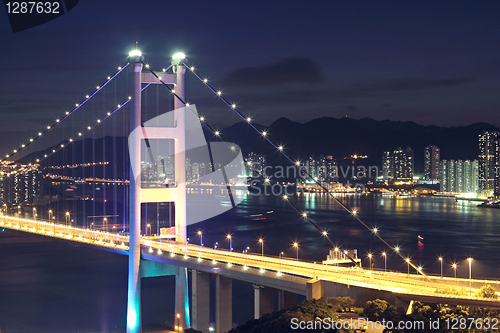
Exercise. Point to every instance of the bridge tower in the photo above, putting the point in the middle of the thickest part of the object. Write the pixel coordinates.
(138, 195)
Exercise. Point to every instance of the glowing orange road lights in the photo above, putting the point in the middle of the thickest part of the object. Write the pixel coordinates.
(441, 261)
(201, 237)
(470, 275)
(230, 241)
(385, 261)
(455, 268)
(408, 263)
(296, 245)
(370, 257)
(261, 241)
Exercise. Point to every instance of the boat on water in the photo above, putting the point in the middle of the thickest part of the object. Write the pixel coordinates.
(420, 238)
(263, 216)
(490, 203)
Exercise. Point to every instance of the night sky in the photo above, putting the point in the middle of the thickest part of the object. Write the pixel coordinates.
(435, 62)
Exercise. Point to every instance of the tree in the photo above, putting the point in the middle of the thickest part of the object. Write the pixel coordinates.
(451, 291)
(280, 321)
(341, 302)
(379, 309)
(486, 291)
(191, 330)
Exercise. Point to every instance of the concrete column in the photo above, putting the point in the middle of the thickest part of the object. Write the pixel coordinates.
(315, 289)
(200, 301)
(134, 257)
(181, 298)
(286, 299)
(263, 300)
(223, 304)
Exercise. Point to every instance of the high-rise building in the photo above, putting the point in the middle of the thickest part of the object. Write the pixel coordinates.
(452, 179)
(331, 168)
(322, 168)
(458, 176)
(470, 176)
(489, 163)
(443, 176)
(312, 167)
(398, 164)
(403, 164)
(255, 164)
(431, 166)
(387, 165)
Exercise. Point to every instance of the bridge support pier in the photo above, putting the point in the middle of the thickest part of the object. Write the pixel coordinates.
(286, 299)
(263, 300)
(315, 289)
(200, 300)
(223, 304)
(181, 298)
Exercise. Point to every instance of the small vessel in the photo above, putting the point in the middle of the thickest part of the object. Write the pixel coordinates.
(420, 238)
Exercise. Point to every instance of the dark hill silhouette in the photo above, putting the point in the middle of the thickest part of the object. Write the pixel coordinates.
(339, 137)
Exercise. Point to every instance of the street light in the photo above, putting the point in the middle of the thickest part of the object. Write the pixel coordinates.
(470, 274)
(296, 245)
(67, 218)
(441, 261)
(105, 222)
(230, 242)
(201, 237)
(370, 257)
(148, 233)
(261, 241)
(408, 262)
(178, 320)
(385, 261)
(455, 268)
(34, 213)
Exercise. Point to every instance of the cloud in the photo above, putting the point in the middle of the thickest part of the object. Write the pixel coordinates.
(288, 70)
(408, 84)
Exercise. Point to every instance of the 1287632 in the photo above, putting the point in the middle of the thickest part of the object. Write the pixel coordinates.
(32, 7)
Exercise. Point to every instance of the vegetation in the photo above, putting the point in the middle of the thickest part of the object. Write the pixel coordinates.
(279, 321)
(486, 291)
(445, 318)
(452, 291)
(192, 330)
(436, 317)
(378, 309)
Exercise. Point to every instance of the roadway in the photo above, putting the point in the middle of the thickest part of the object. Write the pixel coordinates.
(248, 266)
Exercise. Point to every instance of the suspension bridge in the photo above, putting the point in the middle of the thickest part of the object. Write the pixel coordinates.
(170, 253)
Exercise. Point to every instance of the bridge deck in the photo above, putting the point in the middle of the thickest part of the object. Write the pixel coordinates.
(286, 273)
